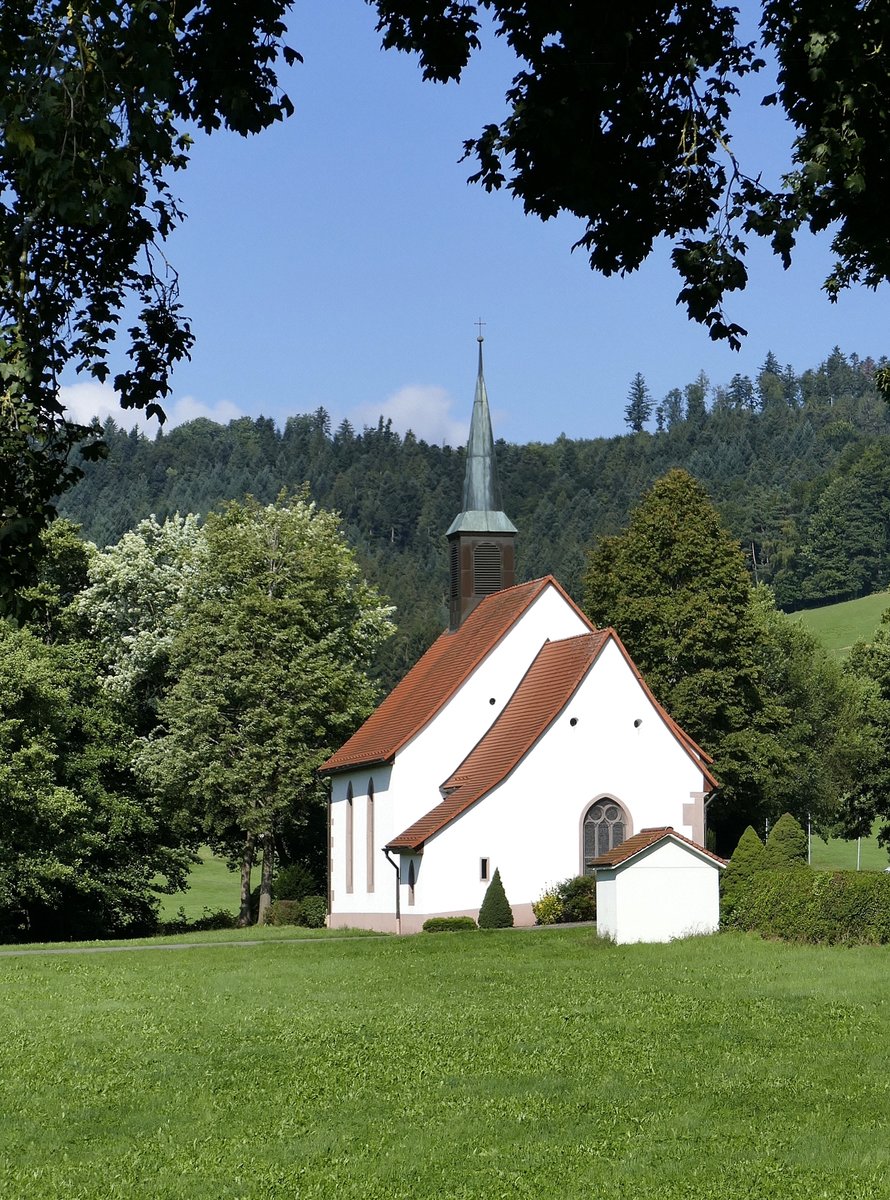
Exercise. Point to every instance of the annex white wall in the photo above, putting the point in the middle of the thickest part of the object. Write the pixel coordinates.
(666, 892)
(531, 825)
(409, 788)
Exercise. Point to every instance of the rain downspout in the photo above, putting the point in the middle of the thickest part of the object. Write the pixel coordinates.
(395, 866)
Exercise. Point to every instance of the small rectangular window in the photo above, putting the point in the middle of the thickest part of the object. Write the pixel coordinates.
(483, 869)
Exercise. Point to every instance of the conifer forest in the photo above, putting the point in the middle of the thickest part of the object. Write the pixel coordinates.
(797, 464)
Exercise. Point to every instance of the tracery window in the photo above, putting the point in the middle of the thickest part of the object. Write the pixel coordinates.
(605, 827)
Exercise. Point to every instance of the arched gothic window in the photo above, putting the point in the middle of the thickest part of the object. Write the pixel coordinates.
(349, 836)
(369, 836)
(605, 827)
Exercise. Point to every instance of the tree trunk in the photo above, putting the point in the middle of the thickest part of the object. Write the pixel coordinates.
(266, 878)
(245, 916)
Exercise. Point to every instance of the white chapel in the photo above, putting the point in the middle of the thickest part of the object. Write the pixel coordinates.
(524, 740)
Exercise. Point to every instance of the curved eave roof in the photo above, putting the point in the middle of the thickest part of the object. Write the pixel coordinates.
(544, 691)
(437, 676)
(546, 688)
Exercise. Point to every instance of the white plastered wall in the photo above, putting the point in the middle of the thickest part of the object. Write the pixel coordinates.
(409, 788)
(668, 891)
(530, 826)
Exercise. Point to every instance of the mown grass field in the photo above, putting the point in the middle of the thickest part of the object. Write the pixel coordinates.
(510, 1064)
(838, 626)
(211, 885)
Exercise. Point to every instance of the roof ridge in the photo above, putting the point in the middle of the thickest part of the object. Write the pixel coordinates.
(401, 715)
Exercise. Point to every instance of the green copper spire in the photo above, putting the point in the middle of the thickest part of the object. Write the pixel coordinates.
(482, 500)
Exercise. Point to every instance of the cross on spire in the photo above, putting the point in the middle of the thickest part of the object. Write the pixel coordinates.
(480, 324)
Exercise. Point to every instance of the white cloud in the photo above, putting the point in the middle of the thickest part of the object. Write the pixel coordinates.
(188, 408)
(423, 408)
(87, 400)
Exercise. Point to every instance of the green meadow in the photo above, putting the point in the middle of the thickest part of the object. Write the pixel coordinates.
(838, 626)
(502, 1064)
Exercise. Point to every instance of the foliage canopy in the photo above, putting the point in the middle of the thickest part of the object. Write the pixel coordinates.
(623, 116)
(98, 101)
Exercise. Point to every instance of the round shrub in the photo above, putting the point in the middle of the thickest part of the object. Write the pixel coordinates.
(284, 912)
(448, 924)
(578, 898)
(548, 909)
(293, 882)
(313, 911)
(495, 912)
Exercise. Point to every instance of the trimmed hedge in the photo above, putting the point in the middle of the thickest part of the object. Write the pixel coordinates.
(311, 911)
(448, 924)
(801, 905)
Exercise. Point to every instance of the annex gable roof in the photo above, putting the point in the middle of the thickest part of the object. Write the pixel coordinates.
(644, 840)
(544, 691)
(438, 675)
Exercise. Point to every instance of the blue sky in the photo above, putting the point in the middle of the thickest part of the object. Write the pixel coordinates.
(341, 260)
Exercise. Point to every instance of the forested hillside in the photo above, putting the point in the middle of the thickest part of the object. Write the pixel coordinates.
(798, 465)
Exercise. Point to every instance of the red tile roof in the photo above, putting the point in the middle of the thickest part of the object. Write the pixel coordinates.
(542, 694)
(641, 841)
(433, 680)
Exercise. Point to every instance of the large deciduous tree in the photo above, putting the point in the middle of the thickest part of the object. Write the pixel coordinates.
(623, 116)
(755, 691)
(130, 604)
(269, 666)
(99, 99)
(83, 848)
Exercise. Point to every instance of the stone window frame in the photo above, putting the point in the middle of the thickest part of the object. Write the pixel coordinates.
(604, 798)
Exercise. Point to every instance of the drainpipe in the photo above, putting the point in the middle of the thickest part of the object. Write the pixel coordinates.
(395, 866)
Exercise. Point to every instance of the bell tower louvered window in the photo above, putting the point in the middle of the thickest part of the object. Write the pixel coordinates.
(455, 569)
(487, 577)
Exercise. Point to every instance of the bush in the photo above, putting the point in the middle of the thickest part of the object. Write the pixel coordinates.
(578, 898)
(801, 905)
(219, 918)
(284, 912)
(313, 911)
(746, 862)
(293, 882)
(448, 924)
(786, 845)
(495, 912)
(548, 910)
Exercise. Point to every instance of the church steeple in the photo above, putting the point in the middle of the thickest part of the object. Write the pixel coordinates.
(482, 556)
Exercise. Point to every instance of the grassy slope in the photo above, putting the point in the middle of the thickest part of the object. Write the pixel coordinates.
(211, 885)
(838, 626)
(530, 1065)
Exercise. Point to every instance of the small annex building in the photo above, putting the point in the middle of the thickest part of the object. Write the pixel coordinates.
(525, 740)
(656, 886)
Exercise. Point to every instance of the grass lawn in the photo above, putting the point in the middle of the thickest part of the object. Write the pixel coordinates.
(838, 855)
(838, 626)
(211, 885)
(509, 1064)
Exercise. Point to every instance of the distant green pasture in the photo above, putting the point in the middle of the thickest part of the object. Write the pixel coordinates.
(534, 1065)
(838, 626)
(837, 855)
(211, 885)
